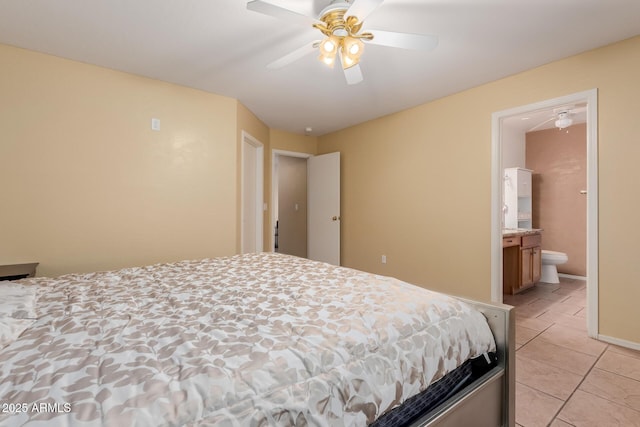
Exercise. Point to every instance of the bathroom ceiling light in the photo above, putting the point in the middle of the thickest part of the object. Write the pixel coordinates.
(562, 117)
(564, 121)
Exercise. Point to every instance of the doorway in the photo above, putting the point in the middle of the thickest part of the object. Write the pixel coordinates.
(290, 208)
(252, 200)
(289, 233)
(321, 206)
(499, 137)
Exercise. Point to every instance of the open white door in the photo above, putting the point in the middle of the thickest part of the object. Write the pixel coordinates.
(323, 222)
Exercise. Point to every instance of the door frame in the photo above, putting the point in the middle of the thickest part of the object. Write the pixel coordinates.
(591, 98)
(247, 139)
(274, 193)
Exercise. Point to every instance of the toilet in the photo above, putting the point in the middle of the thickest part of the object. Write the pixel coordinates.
(550, 261)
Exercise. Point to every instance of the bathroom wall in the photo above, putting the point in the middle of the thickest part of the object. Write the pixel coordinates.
(558, 160)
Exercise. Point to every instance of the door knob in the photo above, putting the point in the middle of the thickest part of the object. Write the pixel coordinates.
(335, 218)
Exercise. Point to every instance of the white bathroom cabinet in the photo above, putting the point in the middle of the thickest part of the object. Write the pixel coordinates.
(517, 198)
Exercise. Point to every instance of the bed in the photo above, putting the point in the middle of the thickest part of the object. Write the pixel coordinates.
(249, 340)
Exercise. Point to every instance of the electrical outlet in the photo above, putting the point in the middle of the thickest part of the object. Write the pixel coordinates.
(384, 259)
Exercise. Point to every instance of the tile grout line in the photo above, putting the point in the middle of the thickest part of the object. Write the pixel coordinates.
(578, 387)
(552, 342)
(536, 306)
(584, 377)
(541, 391)
(618, 374)
(553, 323)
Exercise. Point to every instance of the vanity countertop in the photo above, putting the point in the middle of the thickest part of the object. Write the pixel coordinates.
(514, 232)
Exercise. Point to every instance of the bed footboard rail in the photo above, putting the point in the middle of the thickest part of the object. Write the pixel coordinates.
(490, 401)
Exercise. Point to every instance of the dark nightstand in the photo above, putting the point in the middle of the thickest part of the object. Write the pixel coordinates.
(17, 271)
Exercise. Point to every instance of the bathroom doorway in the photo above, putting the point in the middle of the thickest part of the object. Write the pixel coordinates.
(502, 132)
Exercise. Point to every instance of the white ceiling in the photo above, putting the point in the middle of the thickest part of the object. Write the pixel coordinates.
(545, 119)
(221, 47)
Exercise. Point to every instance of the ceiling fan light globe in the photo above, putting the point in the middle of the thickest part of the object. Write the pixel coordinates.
(329, 46)
(348, 60)
(351, 51)
(328, 60)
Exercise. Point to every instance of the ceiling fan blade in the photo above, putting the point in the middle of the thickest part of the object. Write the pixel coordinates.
(403, 40)
(362, 8)
(280, 12)
(294, 56)
(353, 74)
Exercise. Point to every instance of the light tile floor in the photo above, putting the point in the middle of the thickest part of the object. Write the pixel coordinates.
(563, 377)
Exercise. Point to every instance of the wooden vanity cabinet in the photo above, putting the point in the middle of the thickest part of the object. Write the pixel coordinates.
(530, 260)
(521, 262)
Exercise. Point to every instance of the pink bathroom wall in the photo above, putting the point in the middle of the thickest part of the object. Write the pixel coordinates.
(558, 160)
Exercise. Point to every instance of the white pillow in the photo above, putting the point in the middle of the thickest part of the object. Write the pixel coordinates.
(17, 310)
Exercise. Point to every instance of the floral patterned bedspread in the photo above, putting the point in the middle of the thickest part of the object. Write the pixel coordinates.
(248, 340)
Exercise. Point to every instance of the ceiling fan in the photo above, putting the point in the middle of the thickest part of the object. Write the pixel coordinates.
(563, 117)
(343, 38)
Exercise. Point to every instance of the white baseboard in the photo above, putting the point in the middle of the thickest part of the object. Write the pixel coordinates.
(621, 343)
(571, 276)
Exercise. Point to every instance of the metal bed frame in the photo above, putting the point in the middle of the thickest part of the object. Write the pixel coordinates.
(490, 400)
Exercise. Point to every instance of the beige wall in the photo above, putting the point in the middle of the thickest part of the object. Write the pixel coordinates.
(87, 185)
(417, 184)
(559, 163)
(287, 141)
(413, 190)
